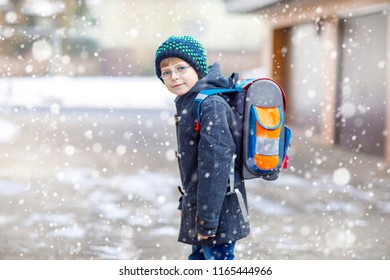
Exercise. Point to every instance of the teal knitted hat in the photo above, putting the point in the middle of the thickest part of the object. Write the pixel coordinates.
(186, 48)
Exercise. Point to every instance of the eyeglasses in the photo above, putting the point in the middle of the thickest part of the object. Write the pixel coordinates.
(179, 71)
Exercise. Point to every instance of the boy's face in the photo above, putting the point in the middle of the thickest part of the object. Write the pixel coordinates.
(180, 84)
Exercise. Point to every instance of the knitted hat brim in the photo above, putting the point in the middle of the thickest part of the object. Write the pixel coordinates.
(178, 54)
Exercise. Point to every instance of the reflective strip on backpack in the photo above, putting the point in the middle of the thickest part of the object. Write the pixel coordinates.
(267, 146)
(201, 96)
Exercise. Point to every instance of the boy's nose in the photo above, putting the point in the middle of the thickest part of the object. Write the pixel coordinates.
(174, 75)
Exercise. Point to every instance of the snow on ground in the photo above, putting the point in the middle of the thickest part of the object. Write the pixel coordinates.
(93, 92)
(62, 198)
(9, 131)
(60, 92)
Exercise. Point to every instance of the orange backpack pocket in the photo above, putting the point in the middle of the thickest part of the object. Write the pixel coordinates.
(265, 132)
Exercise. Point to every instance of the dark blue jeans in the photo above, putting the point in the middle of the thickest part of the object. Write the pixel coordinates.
(216, 252)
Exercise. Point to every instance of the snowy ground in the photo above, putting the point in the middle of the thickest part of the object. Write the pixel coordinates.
(93, 92)
(88, 172)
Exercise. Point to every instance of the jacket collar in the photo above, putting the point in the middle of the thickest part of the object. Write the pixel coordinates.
(213, 79)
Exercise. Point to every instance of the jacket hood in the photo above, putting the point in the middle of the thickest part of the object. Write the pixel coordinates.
(214, 79)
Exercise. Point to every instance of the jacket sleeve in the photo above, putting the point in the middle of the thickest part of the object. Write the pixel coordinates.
(215, 151)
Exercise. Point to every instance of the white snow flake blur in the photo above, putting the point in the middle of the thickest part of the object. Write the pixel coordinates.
(41, 50)
(341, 176)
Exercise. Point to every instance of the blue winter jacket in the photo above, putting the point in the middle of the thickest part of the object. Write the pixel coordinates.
(205, 157)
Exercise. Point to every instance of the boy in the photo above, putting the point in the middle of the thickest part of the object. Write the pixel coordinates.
(212, 219)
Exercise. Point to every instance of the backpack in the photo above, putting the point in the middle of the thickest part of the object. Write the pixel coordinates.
(263, 139)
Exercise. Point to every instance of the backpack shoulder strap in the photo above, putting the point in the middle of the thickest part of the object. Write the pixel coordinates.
(202, 95)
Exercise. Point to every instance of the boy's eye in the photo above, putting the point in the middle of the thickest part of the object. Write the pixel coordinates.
(180, 70)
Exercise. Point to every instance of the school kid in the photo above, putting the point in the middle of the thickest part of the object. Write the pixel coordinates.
(212, 218)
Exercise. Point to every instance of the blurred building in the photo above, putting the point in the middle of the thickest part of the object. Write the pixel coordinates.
(118, 37)
(130, 32)
(332, 57)
(46, 37)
